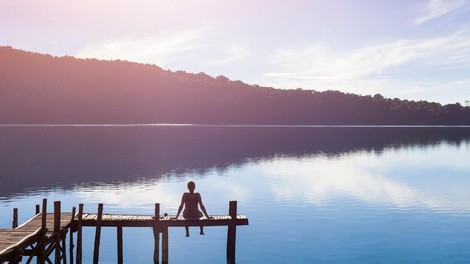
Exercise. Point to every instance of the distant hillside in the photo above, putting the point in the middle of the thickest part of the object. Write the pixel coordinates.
(37, 88)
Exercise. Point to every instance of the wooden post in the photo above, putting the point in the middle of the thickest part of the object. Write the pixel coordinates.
(156, 235)
(15, 257)
(119, 245)
(165, 254)
(44, 213)
(96, 251)
(38, 209)
(63, 249)
(14, 224)
(165, 245)
(232, 232)
(42, 241)
(79, 234)
(57, 231)
(72, 223)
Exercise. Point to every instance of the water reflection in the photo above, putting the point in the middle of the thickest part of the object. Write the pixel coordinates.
(357, 195)
(127, 195)
(408, 178)
(45, 157)
(402, 179)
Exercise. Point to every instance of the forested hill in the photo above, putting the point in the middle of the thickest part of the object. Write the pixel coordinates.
(37, 88)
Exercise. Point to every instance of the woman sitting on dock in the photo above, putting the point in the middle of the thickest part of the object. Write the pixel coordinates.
(190, 201)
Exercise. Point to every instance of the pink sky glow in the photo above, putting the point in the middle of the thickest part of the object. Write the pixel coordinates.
(418, 50)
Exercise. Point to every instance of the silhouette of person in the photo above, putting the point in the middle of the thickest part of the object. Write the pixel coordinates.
(190, 201)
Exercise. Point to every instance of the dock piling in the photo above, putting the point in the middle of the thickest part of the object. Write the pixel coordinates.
(232, 232)
(165, 254)
(119, 245)
(79, 234)
(41, 258)
(156, 235)
(57, 231)
(14, 223)
(96, 251)
(71, 246)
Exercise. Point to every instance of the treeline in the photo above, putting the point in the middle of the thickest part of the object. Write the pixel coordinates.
(37, 88)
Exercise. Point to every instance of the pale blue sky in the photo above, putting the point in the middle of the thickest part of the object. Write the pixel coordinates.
(417, 50)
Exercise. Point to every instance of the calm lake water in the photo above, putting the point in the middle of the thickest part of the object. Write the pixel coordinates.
(312, 194)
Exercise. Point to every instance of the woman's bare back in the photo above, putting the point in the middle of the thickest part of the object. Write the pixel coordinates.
(191, 204)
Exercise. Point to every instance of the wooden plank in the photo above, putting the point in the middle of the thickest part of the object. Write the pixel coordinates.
(148, 221)
(14, 240)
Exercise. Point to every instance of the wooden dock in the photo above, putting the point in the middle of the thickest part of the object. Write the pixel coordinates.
(41, 236)
(38, 237)
(132, 220)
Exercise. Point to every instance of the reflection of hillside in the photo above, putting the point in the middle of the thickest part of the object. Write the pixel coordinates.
(64, 156)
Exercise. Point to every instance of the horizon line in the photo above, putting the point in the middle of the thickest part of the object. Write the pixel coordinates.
(226, 125)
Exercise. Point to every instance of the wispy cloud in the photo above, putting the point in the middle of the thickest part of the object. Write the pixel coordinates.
(438, 8)
(377, 66)
(232, 53)
(320, 61)
(156, 50)
(193, 50)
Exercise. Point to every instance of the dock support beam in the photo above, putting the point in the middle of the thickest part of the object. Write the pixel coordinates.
(165, 245)
(79, 234)
(96, 251)
(120, 255)
(57, 231)
(71, 246)
(156, 235)
(232, 233)
(42, 241)
(14, 224)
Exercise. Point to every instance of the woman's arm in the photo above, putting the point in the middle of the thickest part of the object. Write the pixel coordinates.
(199, 199)
(183, 200)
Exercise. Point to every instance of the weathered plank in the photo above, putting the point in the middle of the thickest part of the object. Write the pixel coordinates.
(12, 241)
(15, 240)
(127, 220)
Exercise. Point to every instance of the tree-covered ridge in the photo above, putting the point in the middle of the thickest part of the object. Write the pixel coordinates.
(37, 88)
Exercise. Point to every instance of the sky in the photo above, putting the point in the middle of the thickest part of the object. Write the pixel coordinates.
(415, 50)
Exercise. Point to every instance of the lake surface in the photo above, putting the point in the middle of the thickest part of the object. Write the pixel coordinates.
(312, 194)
